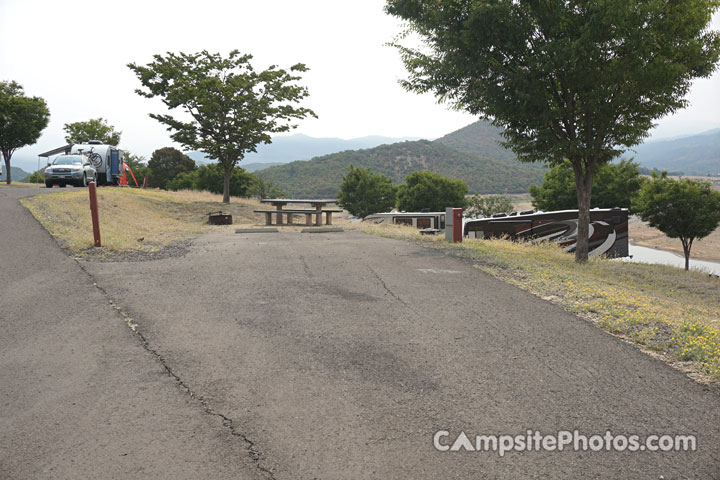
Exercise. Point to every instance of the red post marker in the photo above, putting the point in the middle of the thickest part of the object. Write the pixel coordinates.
(94, 213)
(457, 225)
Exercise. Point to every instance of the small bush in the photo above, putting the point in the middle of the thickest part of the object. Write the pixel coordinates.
(211, 178)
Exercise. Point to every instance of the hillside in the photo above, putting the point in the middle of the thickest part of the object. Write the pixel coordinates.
(254, 167)
(303, 147)
(479, 138)
(16, 174)
(693, 155)
(322, 176)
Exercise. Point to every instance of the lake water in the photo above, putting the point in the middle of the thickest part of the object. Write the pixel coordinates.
(652, 255)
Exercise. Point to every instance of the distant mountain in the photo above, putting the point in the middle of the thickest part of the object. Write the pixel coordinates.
(17, 174)
(479, 138)
(302, 147)
(322, 176)
(693, 155)
(254, 167)
(483, 138)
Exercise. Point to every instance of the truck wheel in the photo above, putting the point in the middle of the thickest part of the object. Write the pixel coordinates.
(84, 182)
(62, 185)
(48, 185)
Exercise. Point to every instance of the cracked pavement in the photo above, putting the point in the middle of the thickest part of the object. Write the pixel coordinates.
(334, 356)
(80, 394)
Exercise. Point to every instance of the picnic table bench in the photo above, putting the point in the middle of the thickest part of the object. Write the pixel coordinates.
(317, 210)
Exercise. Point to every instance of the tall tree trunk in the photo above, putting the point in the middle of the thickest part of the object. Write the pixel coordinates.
(687, 245)
(583, 183)
(226, 186)
(8, 173)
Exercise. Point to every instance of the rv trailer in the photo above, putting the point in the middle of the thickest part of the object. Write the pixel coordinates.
(608, 229)
(419, 220)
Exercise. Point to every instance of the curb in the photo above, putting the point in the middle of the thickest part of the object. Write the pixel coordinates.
(256, 230)
(322, 230)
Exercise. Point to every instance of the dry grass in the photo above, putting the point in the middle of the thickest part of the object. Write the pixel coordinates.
(18, 184)
(132, 219)
(670, 312)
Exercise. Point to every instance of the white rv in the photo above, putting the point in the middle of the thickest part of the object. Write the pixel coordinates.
(420, 220)
(107, 160)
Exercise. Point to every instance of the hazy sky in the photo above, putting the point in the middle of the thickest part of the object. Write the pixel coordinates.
(73, 53)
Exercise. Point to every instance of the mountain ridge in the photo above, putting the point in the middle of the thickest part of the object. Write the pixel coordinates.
(321, 176)
(693, 155)
(299, 146)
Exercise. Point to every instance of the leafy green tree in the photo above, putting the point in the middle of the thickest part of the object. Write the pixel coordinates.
(93, 129)
(567, 79)
(231, 107)
(485, 206)
(167, 163)
(424, 189)
(614, 186)
(685, 209)
(22, 120)
(262, 189)
(211, 178)
(364, 192)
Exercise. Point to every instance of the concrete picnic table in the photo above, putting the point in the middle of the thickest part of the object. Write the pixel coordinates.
(317, 210)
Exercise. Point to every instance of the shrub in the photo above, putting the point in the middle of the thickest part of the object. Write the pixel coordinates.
(424, 189)
(211, 178)
(364, 192)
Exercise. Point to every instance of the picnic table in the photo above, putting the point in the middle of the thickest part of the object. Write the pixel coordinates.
(317, 210)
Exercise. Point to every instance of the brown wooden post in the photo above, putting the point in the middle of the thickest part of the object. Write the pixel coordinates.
(92, 190)
(328, 218)
(268, 218)
(308, 219)
(289, 218)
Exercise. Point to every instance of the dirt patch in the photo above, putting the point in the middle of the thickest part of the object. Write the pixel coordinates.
(176, 249)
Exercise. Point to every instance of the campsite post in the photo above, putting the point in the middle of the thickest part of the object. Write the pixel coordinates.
(453, 225)
(92, 189)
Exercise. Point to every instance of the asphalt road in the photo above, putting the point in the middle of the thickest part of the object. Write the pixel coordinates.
(333, 356)
(80, 394)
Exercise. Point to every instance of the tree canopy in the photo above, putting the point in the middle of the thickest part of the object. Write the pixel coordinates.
(487, 205)
(229, 108)
(364, 192)
(211, 178)
(167, 163)
(424, 189)
(576, 80)
(614, 186)
(685, 209)
(22, 120)
(93, 129)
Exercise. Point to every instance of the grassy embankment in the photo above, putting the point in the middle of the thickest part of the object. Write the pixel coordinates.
(671, 313)
(132, 219)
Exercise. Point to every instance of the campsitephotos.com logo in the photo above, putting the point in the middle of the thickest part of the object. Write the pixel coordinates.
(533, 440)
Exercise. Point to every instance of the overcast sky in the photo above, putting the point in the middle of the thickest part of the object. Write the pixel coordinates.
(73, 53)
